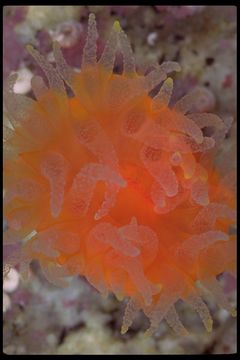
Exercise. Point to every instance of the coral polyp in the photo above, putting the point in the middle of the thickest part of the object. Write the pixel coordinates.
(119, 186)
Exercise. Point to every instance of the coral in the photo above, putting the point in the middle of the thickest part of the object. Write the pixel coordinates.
(12, 47)
(39, 17)
(180, 12)
(119, 186)
(123, 10)
(101, 342)
(67, 34)
(68, 320)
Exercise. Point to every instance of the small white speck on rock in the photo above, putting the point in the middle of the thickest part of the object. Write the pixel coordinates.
(152, 38)
(23, 83)
(223, 315)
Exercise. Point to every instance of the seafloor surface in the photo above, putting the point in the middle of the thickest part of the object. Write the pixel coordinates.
(42, 319)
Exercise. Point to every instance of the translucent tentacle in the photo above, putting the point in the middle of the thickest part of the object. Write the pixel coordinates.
(142, 237)
(170, 66)
(94, 276)
(159, 74)
(108, 56)
(54, 168)
(108, 202)
(207, 144)
(54, 79)
(153, 79)
(57, 240)
(183, 124)
(90, 48)
(8, 133)
(94, 138)
(130, 313)
(191, 247)
(162, 173)
(107, 233)
(201, 308)
(137, 275)
(186, 102)
(128, 57)
(164, 95)
(174, 322)
(25, 188)
(38, 86)
(17, 105)
(199, 192)
(210, 120)
(206, 218)
(25, 115)
(84, 183)
(172, 202)
(160, 310)
(63, 69)
(54, 274)
(44, 243)
(188, 165)
(226, 184)
(215, 288)
(158, 196)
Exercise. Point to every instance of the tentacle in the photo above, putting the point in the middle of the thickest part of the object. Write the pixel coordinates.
(54, 274)
(90, 49)
(201, 308)
(18, 106)
(108, 234)
(210, 120)
(54, 167)
(130, 313)
(84, 183)
(161, 171)
(164, 95)
(108, 56)
(214, 287)
(160, 310)
(128, 56)
(190, 248)
(174, 322)
(206, 218)
(109, 201)
(186, 102)
(92, 136)
(199, 192)
(55, 82)
(63, 69)
(38, 86)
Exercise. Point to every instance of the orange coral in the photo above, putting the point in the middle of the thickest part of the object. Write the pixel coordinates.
(117, 186)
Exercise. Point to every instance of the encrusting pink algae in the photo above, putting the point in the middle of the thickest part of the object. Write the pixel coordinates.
(117, 186)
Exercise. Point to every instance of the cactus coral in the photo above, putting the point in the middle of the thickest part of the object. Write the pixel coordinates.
(118, 186)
